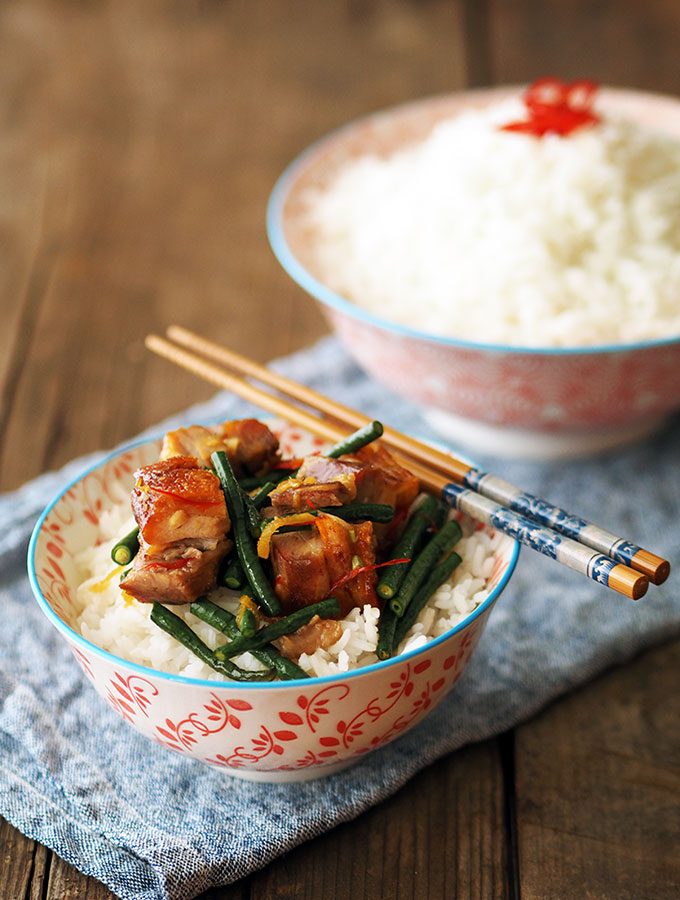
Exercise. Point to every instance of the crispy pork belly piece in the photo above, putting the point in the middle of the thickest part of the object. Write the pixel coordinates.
(316, 634)
(183, 524)
(315, 563)
(370, 475)
(181, 579)
(250, 446)
(195, 441)
(177, 500)
(320, 481)
(382, 479)
(254, 448)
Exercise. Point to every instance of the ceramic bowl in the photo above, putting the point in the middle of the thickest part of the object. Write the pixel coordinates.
(531, 402)
(277, 731)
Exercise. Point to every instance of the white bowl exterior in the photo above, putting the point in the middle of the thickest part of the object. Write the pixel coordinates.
(283, 729)
(276, 732)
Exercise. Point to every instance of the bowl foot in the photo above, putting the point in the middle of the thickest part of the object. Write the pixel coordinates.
(532, 444)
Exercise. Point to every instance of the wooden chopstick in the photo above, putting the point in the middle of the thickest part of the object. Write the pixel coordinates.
(503, 493)
(572, 553)
(441, 462)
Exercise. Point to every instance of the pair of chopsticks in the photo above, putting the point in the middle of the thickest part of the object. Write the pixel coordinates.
(580, 545)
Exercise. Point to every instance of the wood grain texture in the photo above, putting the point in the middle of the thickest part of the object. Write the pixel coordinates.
(139, 143)
(621, 43)
(598, 788)
(139, 148)
(443, 835)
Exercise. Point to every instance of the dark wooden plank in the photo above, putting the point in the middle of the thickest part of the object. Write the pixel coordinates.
(66, 883)
(144, 149)
(624, 43)
(442, 835)
(598, 788)
(16, 862)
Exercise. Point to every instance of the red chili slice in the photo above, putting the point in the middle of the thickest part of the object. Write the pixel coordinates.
(554, 107)
(360, 570)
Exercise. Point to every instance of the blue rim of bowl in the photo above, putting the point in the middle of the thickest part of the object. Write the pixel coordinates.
(325, 295)
(88, 646)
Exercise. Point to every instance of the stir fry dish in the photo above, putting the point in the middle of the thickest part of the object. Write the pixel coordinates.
(303, 542)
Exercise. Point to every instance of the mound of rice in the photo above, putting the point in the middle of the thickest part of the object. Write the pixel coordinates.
(121, 625)
(492, 236)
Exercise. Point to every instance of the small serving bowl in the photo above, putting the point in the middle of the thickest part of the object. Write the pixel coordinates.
(531, 402)
(276, 731)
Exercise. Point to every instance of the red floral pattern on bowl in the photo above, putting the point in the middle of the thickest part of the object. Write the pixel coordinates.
(281, 731)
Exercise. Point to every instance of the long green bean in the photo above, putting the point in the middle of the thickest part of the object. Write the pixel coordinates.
(356, 440)
(246, 622)
(252, 482)
(252, 515)
(431, 553)
(386, 629)
(224, 621)
(324, 609)
(233, 575)
(178, 628)
(407, 547)
(441, 573)
(245, 547)
(261, 495)
(352, 512)
(125, 550)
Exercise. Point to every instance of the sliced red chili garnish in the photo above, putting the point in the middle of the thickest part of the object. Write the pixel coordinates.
(360, 570)
(397, 521)
(556, 107)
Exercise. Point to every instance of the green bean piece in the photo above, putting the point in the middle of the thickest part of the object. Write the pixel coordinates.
(356, 440)
(224, 621)
(252, 515)
(180, 631)
(261, 495)
(386, 630)
(441, 573)
(233, 575)
(245, 547)
(351, 512)
(431, 553)
(252, 482)
(246, 622)
(324, 609)
(361, 512)
(407, 547)
(127, 548)
(439, 518)
(124, 574)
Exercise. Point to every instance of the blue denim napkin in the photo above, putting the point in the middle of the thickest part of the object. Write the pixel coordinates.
(152, 825)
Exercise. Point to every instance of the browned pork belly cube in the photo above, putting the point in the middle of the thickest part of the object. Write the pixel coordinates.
(315, 563)
(183, 524)
(250, 445)
(320, 481)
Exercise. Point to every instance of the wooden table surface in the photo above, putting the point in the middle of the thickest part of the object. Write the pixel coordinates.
(138, 145)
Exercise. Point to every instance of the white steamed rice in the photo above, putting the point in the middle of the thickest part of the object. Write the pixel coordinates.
(122, 625)
(499, 237)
